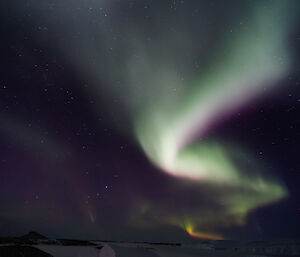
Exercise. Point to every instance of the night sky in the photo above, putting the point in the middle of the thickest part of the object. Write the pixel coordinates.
(150, 120)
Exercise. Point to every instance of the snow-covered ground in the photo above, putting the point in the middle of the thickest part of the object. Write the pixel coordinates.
(127, 250)
(70, 251)
(90, 251)
(118, 249)
(25, 246)
(115, 250)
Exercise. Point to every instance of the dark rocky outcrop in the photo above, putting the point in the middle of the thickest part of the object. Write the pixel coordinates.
(34, 236)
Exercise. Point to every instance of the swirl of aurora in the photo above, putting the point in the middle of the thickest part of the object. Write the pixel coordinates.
(171, 132)
(171, 81)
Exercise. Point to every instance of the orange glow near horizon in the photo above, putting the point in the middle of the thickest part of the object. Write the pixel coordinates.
(191, 232)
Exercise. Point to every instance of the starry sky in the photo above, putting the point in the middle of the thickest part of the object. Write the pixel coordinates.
(150, 120)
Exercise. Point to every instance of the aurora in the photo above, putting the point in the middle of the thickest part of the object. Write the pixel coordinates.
(171, 133)
(158, 82)
(192, 233)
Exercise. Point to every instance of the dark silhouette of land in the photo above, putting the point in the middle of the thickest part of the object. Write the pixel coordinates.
(34, 244)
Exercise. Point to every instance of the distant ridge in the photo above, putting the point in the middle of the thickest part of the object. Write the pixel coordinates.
(33, 236)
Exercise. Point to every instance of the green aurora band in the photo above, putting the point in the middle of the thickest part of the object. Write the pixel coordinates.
(149, 71)
(169, 133)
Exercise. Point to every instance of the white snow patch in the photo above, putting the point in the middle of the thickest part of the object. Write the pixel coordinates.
(107, 251)
(69, 251)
